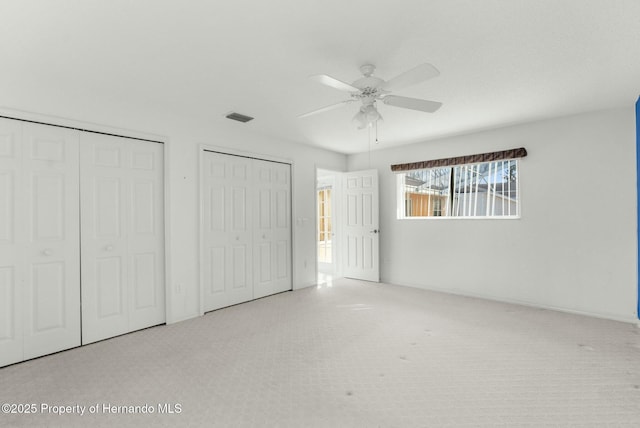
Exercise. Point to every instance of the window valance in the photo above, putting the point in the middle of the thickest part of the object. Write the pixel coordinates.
(461, 160)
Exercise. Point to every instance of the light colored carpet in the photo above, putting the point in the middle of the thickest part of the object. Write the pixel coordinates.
(352, 355)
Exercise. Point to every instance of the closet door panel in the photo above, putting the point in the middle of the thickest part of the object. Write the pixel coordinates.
(227, 274)
(215, 236)
(282, 228)
(146, 235)
(240, 218)
(272, 228)
(12, 243)
(104, 222)
(122, 206)
(51, 296)
(263, 229)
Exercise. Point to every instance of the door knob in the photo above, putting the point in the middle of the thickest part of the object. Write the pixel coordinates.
(375, 231)
(47, 252)
(109, 248)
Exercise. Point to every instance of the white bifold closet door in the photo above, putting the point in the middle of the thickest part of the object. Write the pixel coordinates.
(247, 229)
(122, 228)
(271, 228)
(39, 251)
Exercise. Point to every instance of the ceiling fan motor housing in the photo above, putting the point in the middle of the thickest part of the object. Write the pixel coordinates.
(369, 86)
(368, 82)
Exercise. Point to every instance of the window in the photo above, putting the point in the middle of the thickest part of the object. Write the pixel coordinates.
(424, 192)
(487, 189)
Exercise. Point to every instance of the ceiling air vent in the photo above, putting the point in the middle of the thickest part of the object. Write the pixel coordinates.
(239, 117)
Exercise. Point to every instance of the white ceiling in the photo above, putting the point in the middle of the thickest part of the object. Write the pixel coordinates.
(501, 62)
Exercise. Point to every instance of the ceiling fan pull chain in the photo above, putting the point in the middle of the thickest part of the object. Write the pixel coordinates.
(376, 132)
(369, 146)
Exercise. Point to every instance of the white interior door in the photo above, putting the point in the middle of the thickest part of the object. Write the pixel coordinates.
(272, 228)
(361, 225)
(227, 236)
(39, 236)
(122, 227)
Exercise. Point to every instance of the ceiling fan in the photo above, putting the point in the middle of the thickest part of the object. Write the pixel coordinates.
(370, 89)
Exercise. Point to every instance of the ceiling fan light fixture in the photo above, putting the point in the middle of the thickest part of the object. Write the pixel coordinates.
(372, 115)
(359, 119)
(367, 116)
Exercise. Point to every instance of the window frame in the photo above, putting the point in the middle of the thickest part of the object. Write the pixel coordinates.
(401, 198)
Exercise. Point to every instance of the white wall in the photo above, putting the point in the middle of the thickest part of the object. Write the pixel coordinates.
(574, 247)
(183, 137)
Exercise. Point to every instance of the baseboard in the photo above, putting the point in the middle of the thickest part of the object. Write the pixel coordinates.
(182, 318)
(304, 285)
(611, 317)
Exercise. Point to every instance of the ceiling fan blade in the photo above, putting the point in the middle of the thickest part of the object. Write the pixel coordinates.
(412, 103)
(334, 83)
(327, 108)
(415, 75)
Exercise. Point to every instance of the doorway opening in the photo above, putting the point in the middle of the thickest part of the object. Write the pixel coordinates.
(347, 225)
(324, 230)
(327, 220)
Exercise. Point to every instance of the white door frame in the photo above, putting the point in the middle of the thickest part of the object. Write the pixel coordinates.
(201, 220)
